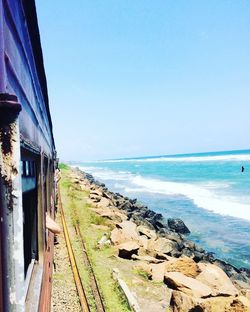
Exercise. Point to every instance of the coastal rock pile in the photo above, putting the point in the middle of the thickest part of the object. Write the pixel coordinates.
(112, 204)
(198, 280)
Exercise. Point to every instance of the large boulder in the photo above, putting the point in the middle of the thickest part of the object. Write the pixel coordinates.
(143, 240)
(104, 203)
(226, 304)
(188, 285)
(143, 230)
(230, 270)
(154, 271)
(147, 258)
(178, 226)
(125, 231)
(172, 236)
(95, 198)
(117, 237)
(108, 195)
(184, 265)
(129, 230)
(162, 256)
(158, 271)
(126, 250)
(216, 279)
(161, 245)
(181, 302)
(109, 214)
(96, 192)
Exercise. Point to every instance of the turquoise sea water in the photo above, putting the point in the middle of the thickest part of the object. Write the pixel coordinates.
(208, 191)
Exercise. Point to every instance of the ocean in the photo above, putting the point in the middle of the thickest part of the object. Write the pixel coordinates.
(208, 191)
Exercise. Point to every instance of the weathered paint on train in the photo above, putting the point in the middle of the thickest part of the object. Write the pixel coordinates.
(27, 163)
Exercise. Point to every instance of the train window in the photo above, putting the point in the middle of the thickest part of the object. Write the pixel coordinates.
(30, 228)
(30, 204)
(32, 168)
(27, 168)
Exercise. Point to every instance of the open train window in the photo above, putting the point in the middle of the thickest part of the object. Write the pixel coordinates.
(30, 204)
(29, 229)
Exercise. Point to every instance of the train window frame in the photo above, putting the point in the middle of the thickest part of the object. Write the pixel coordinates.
(29, 169)
(28, 277)
(40, 167)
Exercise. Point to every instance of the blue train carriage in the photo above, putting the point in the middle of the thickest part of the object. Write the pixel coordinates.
(27, 163)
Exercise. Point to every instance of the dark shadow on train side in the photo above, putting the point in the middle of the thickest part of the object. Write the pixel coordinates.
(30, 207)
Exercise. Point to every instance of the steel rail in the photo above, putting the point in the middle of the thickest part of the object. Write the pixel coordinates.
(94, 285)
(78, 282)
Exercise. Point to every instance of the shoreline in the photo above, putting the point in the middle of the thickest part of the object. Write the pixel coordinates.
(173, 229)
(134, 249)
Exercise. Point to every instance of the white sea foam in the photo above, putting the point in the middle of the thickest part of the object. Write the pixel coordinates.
(202, 197)
(106, 174)
(242, 157)
(215, 185)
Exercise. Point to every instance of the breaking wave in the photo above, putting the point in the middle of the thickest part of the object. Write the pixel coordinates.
(203, 195)
(243, 157)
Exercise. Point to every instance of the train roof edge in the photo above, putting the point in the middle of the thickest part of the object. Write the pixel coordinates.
(30, 12)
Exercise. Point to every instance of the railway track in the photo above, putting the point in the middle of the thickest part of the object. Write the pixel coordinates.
(94, 286)
(79, 285)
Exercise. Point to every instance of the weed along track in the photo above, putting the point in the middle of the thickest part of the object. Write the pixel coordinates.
(97, 305)
(78, 282)
(94, 285)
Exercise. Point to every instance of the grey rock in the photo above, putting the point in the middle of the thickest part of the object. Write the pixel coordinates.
(177, 225)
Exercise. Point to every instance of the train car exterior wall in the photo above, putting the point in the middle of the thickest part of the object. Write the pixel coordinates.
(27, 163)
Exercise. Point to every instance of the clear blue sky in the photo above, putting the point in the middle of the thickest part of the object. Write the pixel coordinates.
(142, 77)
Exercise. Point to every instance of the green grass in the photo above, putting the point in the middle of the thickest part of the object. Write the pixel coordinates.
(97, 220)
(63, 166)
(142, 273)
(77, 211)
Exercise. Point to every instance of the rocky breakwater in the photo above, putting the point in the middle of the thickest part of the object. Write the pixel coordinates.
(159, 247)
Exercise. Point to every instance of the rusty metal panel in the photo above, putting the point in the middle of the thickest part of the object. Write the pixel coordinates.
(45, 298)
(11, 205)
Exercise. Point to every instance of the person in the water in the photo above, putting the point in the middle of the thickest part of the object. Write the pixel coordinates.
(242, 169)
